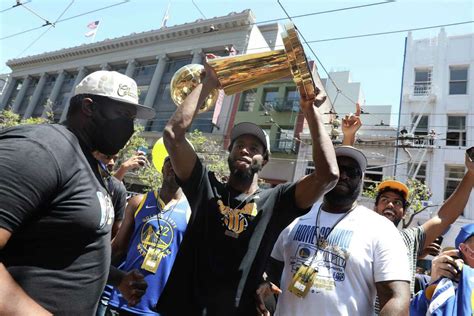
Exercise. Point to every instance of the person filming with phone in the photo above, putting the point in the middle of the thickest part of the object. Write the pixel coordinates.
(452, 274)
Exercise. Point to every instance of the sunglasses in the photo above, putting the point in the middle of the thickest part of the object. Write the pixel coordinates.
(351, 172)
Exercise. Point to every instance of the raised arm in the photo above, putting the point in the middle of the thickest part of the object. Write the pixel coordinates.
(122, 240)
(350, 125)
(313, 186)
(183, 157)
(452, 207)
(134, 162)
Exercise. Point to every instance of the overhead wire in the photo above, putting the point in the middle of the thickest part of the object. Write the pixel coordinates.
(390, 32)
(13, 6)
(306, 42)
(66, 19)
(49, 28)
(327, 11)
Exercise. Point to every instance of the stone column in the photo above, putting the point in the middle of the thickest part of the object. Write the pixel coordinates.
(156, 80)
(21, 94)
(197, 56)
(131, 65)
(80, 75)
(7, 92)
(36, 95)
(56, 89)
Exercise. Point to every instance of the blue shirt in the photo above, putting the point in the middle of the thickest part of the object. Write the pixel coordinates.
(160, 226)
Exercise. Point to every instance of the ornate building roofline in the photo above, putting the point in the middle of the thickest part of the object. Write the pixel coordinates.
(199, 27)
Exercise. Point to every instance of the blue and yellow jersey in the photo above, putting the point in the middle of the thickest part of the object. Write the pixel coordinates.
(160, 227)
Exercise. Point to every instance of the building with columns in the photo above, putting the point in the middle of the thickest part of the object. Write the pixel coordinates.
(45, 82)
(151, 58)
(438, 110)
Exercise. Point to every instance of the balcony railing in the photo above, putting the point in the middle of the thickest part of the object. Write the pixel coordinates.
(284, 105)
(284, 145)
(422, 88)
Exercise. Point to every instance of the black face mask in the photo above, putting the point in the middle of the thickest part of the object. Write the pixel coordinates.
(110, 135)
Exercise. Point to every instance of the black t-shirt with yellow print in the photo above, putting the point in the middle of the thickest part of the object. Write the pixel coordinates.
(228, 241)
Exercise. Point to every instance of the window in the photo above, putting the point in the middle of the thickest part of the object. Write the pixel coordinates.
(285, 140)
(422, 82)
(144, 72)
(122, 68)
(269, 98)
(453, 175)
(457, 80)
(373, 176)
(421, 175)
(421, 130)
(174, 64)
(248, 101)
(456, 134)
(292, 100)
(309, 167)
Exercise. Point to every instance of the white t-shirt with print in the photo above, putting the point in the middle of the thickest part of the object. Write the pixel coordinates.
(363, 248)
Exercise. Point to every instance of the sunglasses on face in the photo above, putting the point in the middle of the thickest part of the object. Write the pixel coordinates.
(351, 172)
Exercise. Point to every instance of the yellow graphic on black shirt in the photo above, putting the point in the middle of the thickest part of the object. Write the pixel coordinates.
(236, 220)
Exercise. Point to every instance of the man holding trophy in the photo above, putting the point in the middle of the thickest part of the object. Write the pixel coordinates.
(234, 225)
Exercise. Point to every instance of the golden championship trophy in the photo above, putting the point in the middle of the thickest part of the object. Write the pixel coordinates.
(243, 72)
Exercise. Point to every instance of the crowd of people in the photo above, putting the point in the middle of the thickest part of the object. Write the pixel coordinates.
(200, 246)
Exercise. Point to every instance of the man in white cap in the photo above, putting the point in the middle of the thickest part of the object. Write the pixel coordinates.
(56, 213)
(335, 259)
(233, 225)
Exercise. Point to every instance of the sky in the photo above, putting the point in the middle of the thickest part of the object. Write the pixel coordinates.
(374, 61)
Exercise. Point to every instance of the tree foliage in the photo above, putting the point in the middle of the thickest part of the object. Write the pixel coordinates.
(147, 176)
(211, 153)
(209, 150)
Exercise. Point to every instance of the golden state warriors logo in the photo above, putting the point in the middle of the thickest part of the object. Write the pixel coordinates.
(236, 220)
(157, 234)
(106, 209)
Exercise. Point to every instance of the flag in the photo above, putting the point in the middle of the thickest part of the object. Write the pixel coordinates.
(93, 26)
(166, 16)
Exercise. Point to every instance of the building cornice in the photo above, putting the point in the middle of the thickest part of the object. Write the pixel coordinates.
(178, 32)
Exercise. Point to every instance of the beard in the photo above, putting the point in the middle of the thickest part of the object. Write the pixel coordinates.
(247, 174)
(397, 221)
(337, 198)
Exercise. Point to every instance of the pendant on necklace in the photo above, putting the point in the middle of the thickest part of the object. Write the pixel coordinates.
(322, 243)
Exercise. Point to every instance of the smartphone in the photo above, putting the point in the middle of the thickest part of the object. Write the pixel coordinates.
(143, 149)
(470, 153)
(439, 240)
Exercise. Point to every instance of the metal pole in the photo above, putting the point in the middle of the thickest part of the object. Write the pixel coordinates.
(400, 109)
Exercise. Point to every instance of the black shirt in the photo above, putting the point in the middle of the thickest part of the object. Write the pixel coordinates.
(119, 197)
(223, 254)
(60, 217)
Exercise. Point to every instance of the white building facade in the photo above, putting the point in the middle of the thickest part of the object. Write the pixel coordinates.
(376, 137)
(438, 110)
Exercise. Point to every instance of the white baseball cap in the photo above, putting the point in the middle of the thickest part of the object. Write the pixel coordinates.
(354, 153)
(115, 86)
